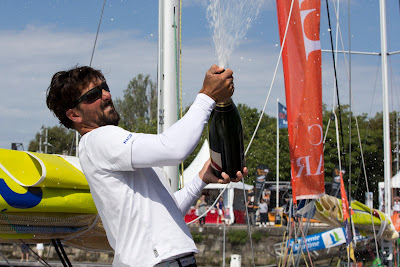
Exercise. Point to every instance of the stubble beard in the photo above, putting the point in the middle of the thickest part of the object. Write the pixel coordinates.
(112, 118)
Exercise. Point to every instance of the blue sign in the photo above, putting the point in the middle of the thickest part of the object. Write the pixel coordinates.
(328, 239)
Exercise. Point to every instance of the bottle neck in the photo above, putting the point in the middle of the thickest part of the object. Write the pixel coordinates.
(225, 103)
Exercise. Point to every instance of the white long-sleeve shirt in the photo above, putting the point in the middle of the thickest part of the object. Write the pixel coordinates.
(143, 219)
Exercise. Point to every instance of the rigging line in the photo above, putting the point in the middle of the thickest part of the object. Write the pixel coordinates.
(303, 238)
(334, 80)
(5, 259)
(288, 229)
(63, 252)
(292, 226)
(40, 259)
(273, 79)
(335, 73)
(282, 249)
(369, 120)
(207, 211)
(393, 85)
(366, 184)
(97, 34)
(350, 124)
(72, 145)
(248, 224)
(58, 252)
(348, 68)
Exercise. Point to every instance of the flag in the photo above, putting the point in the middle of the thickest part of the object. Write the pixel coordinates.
(282, 115)
(301, 59)
(346, 219)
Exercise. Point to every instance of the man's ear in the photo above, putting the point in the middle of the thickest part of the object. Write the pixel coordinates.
(73, 115)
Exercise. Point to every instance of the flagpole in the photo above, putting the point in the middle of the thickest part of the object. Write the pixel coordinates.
(277, 154)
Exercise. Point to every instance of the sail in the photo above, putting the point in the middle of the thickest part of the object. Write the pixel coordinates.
(301, 59)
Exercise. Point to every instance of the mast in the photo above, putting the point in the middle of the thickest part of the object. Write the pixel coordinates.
(387, 246)
(168, 73)
(386, 133)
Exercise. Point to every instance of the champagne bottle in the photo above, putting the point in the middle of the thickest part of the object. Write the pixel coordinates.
(226, 140)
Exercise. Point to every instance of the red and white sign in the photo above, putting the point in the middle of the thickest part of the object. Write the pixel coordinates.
(301, 59)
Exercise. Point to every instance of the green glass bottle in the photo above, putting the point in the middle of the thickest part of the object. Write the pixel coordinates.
(226, 140)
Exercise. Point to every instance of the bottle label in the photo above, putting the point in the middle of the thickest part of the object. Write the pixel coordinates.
(216, 160)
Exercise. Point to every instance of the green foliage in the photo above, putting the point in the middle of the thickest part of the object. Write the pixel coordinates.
(256, 236)
(371, 136)
(60, 139)
(138, 108)
(263, 147)
(237, 237)
(197, 237)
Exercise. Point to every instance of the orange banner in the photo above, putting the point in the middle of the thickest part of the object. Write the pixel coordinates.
(301, 59)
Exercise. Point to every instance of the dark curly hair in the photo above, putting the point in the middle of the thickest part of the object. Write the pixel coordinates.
(66, 87)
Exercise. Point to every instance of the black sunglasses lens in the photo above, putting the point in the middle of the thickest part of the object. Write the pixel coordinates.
(105, 86)
(94, 94)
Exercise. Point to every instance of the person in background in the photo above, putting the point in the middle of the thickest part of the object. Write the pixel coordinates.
(250, 210)
(220, 208)
(227, 215)
(263, 208)
(202, 208)
(24, 252)
(142, 217)
(39, 248)
(396, 206)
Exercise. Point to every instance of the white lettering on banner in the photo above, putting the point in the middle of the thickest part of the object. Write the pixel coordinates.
(307, 166)
(309, 44)
(320, 130)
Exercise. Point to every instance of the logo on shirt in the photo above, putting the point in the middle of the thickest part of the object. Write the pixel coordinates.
(129, 137)
(155, 252)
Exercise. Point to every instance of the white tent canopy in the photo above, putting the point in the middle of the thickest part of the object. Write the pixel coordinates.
(394, 183)
(197, 165)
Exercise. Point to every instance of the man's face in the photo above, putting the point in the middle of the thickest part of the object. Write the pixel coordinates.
(100, 112)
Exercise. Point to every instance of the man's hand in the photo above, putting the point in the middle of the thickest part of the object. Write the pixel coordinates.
(218, 84)
(208, 177)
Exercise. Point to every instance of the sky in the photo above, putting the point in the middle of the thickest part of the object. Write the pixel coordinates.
(39, 38)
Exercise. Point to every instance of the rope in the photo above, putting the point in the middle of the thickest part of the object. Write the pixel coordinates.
(273, 79)
(248, 226)
(334, 68)
(366, 184)
(207, 211)
(283, 243)
(359, 136)
(40, 259)
(305, 242)
(97, 34)
(59, 253)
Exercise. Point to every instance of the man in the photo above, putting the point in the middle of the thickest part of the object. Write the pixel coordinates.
(143, 219)
(251, 208)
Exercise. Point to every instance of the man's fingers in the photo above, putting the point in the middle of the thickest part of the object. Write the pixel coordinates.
(216, 69)
(225, 178)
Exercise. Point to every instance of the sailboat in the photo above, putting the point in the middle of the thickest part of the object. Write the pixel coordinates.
(336, 212)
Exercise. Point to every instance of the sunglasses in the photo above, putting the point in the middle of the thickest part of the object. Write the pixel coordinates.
(93, 94)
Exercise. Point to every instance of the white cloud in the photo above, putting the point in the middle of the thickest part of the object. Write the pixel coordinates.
(31, 56)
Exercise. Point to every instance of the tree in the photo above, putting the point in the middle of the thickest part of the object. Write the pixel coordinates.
(138, 108)
(61, 141)
(263, 147)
